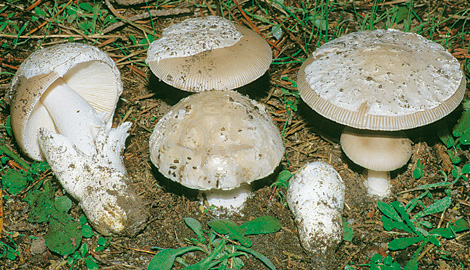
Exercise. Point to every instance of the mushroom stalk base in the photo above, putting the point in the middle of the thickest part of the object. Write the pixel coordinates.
(99, 182)
(377, 183)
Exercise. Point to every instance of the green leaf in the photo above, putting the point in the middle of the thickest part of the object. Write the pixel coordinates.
(446, 137)
(206, 262)
(196, 226)
(63, 204)
(402, 243)
(91, 263)
(460, 225)
(261, 225)
(387, 223)
(436, 207)
(41, 203)
(258, 255)
(63, 238)
(85, 6)
(83, 250)
(165, 259)
(444, 232)
(388, 211)
(462, 125)
(348, 232)
(466, 168)
(15, 181)
(87, 231)
(229, 227)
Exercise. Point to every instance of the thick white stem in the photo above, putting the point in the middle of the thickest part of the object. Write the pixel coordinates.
(232, 200)
(73, 116)
(377, 183)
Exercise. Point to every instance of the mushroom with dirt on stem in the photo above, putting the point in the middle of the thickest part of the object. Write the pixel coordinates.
(62, 102)
(217, 142)
(380, 83)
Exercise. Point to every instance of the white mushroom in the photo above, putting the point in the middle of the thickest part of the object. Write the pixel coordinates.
(316, 198)
(209, 53)
(217, 140)
(382, 80)
(62, 102)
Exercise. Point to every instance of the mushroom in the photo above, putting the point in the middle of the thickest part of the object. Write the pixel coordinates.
(382, 80)
(62, 103)
(217, 142)
(209, 53)
(316, 198)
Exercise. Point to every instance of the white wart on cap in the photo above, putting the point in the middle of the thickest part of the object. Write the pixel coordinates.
(216, 140)
(209, 53)
(382, 80)
(90, 72)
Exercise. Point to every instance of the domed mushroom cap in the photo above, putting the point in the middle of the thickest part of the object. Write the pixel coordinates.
(216, 140)
(382, 80)
(209, 53)
(84, 68)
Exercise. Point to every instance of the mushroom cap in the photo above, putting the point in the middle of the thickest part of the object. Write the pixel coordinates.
(86, 69)
(376, 150)
(382, 80)
(216, 140)
(209, 53)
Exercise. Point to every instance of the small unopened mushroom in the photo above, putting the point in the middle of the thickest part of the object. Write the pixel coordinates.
(316, 198)
(62, 102)
(382, 80)
(217, 142)
(209, 53)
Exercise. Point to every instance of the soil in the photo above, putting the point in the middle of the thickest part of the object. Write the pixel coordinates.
(308, 137)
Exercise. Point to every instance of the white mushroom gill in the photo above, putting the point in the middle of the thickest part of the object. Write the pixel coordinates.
(64, 104)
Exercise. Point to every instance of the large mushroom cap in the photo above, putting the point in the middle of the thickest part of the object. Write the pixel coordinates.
(382, 80)
(216, 140)
(208, 53)
(86, 69)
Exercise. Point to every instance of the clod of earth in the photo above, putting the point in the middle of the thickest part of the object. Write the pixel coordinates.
(62, 101)
(382, 80)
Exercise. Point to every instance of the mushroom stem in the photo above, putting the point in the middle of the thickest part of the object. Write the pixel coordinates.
(63, 104)
(232, 200)
(377, 183)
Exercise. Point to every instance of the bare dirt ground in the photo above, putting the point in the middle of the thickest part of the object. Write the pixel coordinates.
(308, 137)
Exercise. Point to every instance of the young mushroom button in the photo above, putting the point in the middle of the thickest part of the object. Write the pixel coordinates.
(217, 142)
(316, 198)
(62, 103)
(209, 53)
(382, 80)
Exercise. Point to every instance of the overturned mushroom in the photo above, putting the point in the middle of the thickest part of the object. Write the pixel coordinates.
(62, 102)
(209, 53)
(382, 80)
(217, 142)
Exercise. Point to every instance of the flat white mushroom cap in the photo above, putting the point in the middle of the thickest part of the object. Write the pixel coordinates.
(209, 53)
(86, 69)
(216, 140)
(316, 198)
(382, 80)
